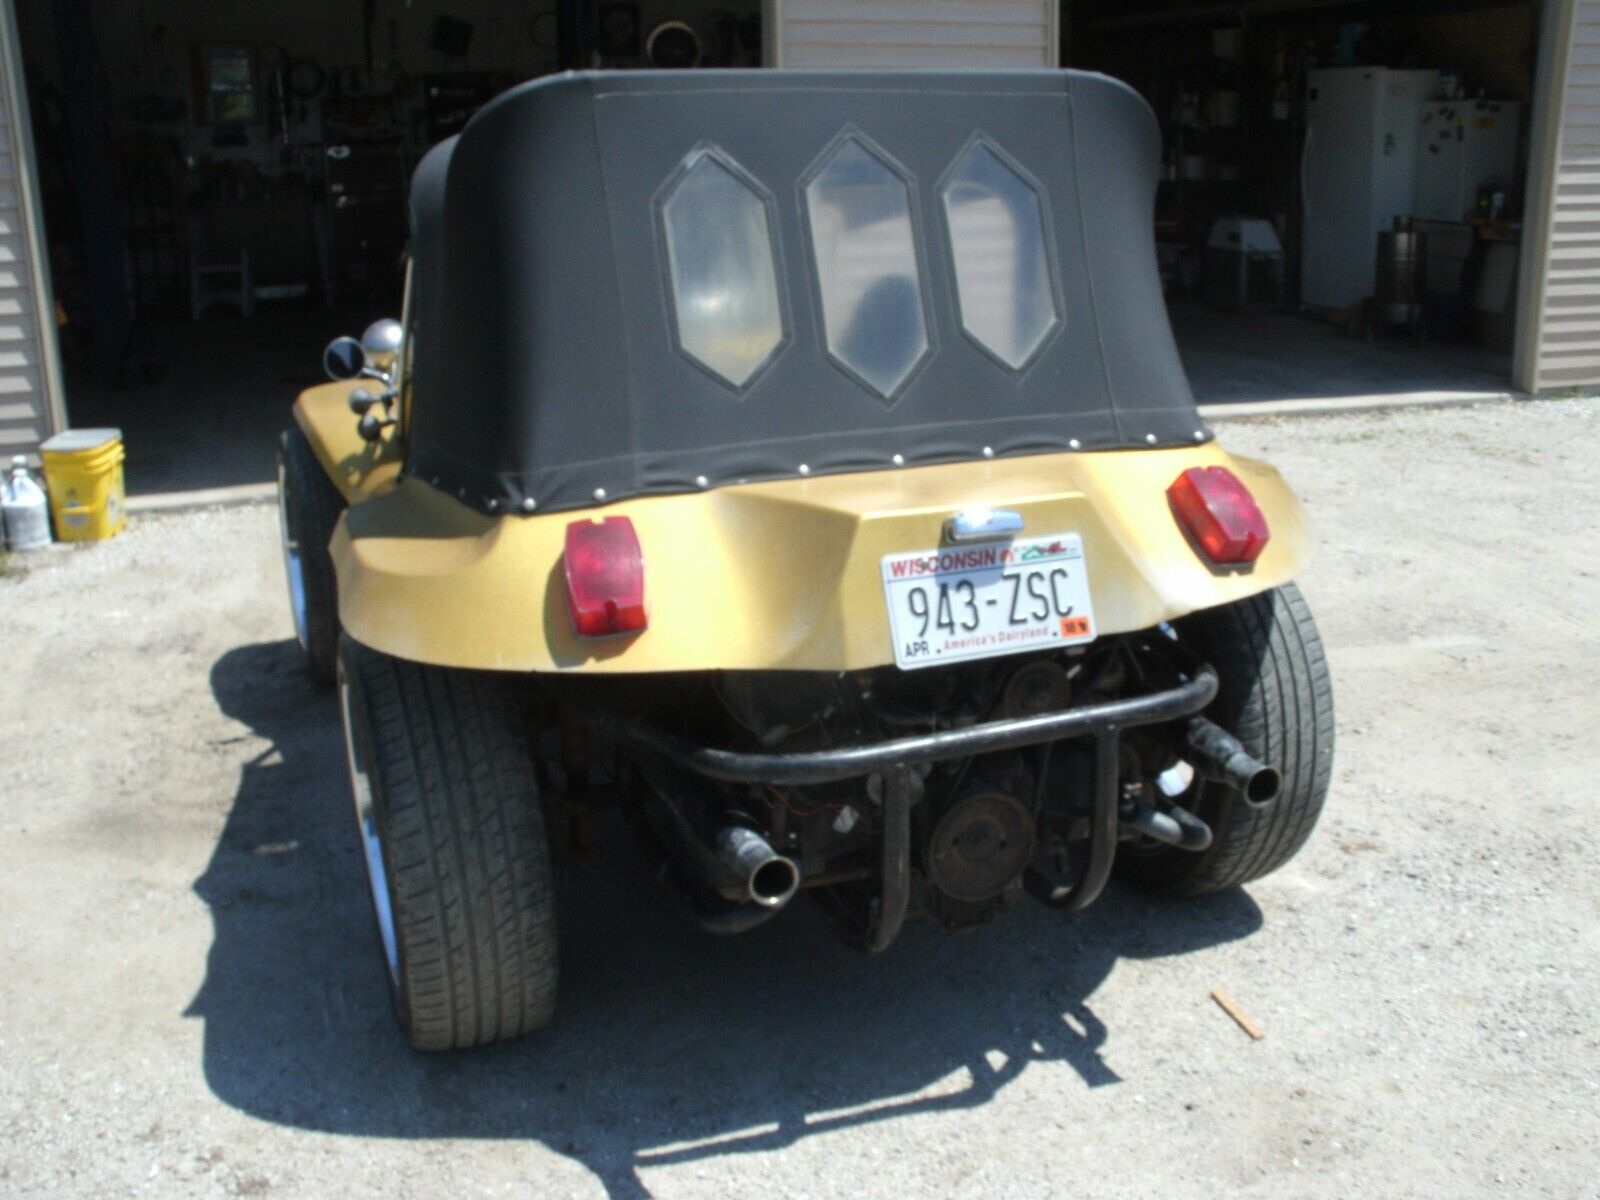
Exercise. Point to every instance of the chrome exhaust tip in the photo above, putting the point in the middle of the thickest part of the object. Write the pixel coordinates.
(767, 878)
(1220, 757)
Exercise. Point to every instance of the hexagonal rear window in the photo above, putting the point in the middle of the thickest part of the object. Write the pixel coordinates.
(997, 238)
(724, 281)
(866, 257)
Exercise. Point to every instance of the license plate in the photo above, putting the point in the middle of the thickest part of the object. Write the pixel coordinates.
(962, 602)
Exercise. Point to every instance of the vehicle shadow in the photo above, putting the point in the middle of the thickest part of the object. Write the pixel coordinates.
(670, 1046)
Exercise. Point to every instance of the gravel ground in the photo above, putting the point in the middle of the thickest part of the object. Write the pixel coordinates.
(192, 1001)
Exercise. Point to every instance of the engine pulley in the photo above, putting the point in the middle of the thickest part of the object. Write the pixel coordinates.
(1037, 687)
(980, 845)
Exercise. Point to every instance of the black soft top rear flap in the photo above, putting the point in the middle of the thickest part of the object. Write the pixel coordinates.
(957, 266)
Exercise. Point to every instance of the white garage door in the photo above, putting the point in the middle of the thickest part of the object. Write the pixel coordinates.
(910, 33)
(1562, 349)
(29, 377)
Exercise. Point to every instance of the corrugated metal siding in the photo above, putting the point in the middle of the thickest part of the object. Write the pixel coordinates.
(912, 33)
(1568, 351)
(28, 413)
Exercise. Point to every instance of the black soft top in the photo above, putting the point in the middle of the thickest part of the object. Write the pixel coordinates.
(957, 265)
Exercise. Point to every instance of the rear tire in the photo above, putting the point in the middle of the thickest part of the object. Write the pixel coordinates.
(1276, 697)
(459, 866)
(309, 507)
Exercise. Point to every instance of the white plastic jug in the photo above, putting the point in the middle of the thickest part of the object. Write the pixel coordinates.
(25, 509)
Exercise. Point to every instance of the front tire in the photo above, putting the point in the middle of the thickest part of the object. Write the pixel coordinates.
(309, 507)
(1276, 697)
(458, 864)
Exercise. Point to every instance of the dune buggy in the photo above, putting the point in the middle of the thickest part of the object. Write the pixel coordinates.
(800, 465)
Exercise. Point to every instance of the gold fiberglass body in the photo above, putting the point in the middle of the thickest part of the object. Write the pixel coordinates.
(781, 575)
(827, 514)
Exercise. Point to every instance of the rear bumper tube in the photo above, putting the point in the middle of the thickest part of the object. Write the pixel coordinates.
(1104, 722)
(828, 766)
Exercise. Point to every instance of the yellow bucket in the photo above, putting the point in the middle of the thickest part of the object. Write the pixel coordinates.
(83, 470)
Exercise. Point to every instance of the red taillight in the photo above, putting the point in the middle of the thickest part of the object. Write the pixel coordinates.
(605, 577)
(1220, 514)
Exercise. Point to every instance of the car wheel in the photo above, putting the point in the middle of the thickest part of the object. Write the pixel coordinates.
(457, 861)
(1277, 699)
(308, 509)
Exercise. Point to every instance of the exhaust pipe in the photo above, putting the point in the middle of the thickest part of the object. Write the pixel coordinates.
(766, 877)
(1180, 827)
(1218, 755)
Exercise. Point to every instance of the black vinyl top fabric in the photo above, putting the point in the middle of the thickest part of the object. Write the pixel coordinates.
(550, 370)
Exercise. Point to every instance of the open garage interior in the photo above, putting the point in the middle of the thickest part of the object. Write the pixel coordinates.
(1360, 167)
(213, 191)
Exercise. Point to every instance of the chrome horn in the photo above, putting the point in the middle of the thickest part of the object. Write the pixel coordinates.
(381, 343)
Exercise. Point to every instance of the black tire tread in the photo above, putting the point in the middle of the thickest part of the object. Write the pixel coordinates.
(465, 848)
(314, 506)
(1276, 696)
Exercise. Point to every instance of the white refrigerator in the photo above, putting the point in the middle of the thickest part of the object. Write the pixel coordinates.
(1358, 172)
(1466, 144)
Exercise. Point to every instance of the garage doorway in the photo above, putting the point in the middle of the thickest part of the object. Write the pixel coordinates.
(223, 187)
(1339, 214)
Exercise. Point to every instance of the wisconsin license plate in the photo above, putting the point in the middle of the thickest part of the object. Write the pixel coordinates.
(962, 602)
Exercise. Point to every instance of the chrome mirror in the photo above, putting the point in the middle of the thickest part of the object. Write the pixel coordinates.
(344, 358)
(381, 342)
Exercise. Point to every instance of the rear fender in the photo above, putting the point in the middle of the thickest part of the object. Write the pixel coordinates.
(358, 468)
(776, 575)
